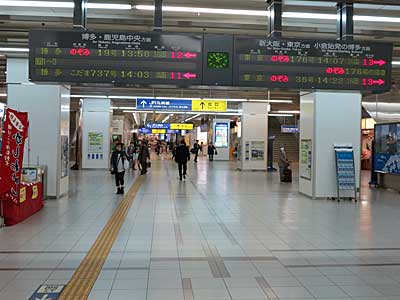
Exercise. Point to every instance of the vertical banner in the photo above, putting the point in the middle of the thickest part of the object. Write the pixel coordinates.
(14, 135)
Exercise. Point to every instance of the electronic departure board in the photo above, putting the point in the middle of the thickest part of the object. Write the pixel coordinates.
(299, 64)
(111, 57)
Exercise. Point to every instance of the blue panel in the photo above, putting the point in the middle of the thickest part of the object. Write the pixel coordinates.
(163, 104)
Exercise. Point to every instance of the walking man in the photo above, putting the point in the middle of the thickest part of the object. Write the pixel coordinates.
(182, 156)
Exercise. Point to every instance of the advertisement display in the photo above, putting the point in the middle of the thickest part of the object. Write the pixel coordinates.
(14, 136)
(257, 150)
(305, 159)
(387, 148)
(95, 149)
(221, 135)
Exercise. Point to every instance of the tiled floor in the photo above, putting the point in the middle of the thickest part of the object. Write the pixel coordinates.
(222, 234)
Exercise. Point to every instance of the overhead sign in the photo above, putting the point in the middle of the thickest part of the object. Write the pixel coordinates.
(158, 131)
(144, 130)
(181, 126)
(163, 104)
(154, 58)
(47, 292)
(290, 129)
(209, 105)
(157, 126)
(115, 57)
(317, 64)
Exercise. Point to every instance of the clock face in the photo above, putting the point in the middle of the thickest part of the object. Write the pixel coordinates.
(218, 60)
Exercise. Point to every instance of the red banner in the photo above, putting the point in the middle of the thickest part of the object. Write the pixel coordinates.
(15, 132)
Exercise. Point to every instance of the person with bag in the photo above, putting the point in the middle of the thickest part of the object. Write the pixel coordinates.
(144, 156)
(283, 163)
(195, 150)
(211, 152)
(182, 156)
(119, 164)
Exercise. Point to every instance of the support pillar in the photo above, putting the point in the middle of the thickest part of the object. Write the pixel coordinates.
(345, 21)
(158, 15)
(48, 107)
(327, 119)
(96, 124)
(254, 140)
(275, 17)
(80, 14)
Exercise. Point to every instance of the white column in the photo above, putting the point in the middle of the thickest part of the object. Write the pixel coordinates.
(327, 119)
(96, 127)
(254, 140)
(221, 138)
(48, 108)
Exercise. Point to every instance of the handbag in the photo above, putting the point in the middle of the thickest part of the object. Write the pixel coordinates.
(126, 164)
(216, 153)
(149, 164)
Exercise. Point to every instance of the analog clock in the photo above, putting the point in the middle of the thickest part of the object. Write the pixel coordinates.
(218, 60)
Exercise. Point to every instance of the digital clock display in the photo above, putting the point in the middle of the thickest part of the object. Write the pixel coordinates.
(218, 60)
(110, 57)
(300, 64)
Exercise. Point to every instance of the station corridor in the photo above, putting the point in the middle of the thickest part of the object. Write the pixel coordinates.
(221, 234)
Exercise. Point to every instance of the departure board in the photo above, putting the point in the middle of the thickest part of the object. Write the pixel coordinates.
(299, 64)
(115, 57)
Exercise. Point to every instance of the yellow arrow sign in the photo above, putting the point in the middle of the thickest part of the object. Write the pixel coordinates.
(209, 105)
(179, 126)
(158, 131)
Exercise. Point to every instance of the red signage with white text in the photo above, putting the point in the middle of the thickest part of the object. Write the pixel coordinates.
(15, 132)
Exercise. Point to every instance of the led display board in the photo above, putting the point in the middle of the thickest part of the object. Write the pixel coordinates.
(300, 64)
(221, 133)
(115, 57)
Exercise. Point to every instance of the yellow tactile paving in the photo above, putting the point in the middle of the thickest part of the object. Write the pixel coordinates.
(86, 274)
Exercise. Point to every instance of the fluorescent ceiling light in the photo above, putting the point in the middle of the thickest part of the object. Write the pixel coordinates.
(194, 117)
(297, 15)
(199, 10)
(109, 6)
(4, 49)
(236, 100)
(377, 19)
(280, 115)
(397, 63)
(3, 95)
(89, 96)
(271, 101)
(167, 118)
(122, 107)
(287, 111)
(58, 4)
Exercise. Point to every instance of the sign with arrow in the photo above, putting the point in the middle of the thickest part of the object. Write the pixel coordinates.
(163, 104)
(48, 292)
(209, 105)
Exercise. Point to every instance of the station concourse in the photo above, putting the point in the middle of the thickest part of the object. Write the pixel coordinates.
(285, 114)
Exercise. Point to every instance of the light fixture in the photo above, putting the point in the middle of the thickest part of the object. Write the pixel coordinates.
(271, 101)
(90, 96)
(12, 49)
(299, 15)
(287, 112)
(397, 63)
(199, 10)
(122, 107)
(194, 117)
(59, 4)
(167, 118)
(279, 115)
(3, 95)
(377, 19)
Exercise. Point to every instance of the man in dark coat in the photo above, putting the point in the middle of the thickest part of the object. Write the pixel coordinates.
(144, 156)
(182, 155)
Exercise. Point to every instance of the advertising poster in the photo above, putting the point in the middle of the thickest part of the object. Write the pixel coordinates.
(64, 155)
(95, 150)
(387, 147)
(221, 135)
(257, 150)
(305, 159)
(14, 136)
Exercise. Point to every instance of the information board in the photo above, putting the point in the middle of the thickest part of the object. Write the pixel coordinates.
(221, 132)
(299, 64)
(115, 57)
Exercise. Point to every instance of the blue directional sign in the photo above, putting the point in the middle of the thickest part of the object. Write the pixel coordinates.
(47, 292)
(145, 130)
(163, 104)
(158, 126)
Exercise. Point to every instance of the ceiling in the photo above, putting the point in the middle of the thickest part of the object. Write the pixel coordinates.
(15, 23)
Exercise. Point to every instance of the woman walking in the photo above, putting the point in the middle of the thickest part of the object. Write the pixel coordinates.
(144, 156)
(119, 162)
